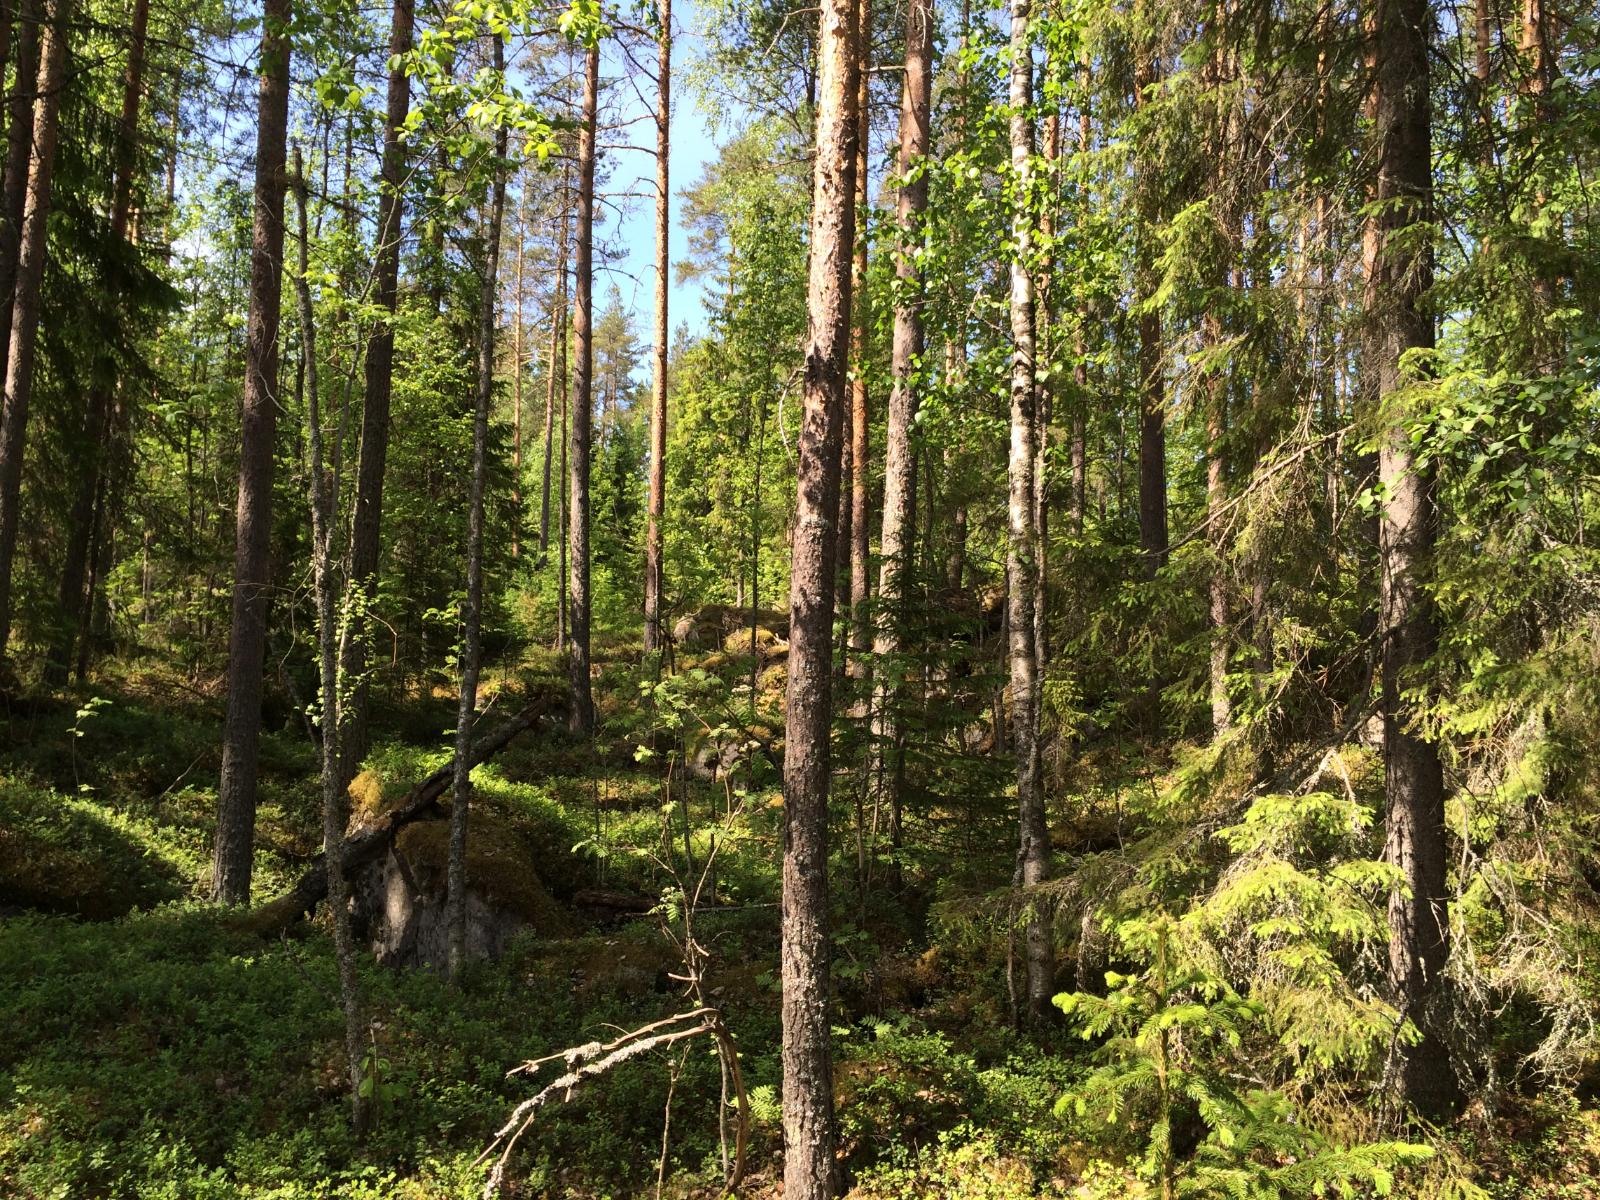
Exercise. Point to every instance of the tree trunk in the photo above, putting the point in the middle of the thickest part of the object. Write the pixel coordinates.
(517, 369)
(33, 252)
(561, 527)
(808, 1172)
(76, 611)
(554, 396)
(1216, 393)
(252, 566)
(859, 453)
(1080, 376)
(1216, 500)
(1033, 855)
(19, 150)
(1045, 400)
(472, 608)
(367, 519)
(897, 538)
(564, 391)
(1537, 85)
(1413, 777)
(324, 500)
(653, 640)
(1483, 72)
(582, 407)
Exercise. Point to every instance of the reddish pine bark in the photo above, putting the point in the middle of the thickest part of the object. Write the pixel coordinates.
(807, 1056)
(252, 565)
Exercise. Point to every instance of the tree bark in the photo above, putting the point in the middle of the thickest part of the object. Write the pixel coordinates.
(808, 1126)
(472, 608)
(562, 517)
(19, 150)
(653, 640)
(582, 407)
(33, 252)
(1080, 378)
(367, 518)
(1216, 500)
(1033, 855)
(897, 537)
(859, 452)
(1413, 777)
(252, 565)
(1537, 85)
(1216, 393)
(324, 500)
(1045, 400)
(517, 369)
(554, 396)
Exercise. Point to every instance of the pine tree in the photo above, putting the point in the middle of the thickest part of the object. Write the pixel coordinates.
(252, 565)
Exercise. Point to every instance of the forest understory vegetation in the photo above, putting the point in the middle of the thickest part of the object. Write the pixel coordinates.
(1058, 655)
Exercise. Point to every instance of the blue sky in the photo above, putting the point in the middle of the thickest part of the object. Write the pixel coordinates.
(633, 176)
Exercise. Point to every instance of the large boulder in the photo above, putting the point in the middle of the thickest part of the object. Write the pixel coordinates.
(401, 901)
(709, 626)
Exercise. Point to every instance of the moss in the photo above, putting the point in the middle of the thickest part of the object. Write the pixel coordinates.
(369, 798)
(772, 685)
(767, 642)
(499, 867)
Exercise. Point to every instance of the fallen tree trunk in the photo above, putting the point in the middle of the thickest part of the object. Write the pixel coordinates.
(372, 841)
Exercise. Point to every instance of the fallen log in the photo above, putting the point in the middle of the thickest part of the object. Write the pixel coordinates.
(372, 841)
(622, 902)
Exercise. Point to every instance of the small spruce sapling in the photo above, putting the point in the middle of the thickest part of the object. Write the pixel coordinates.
(1174, 1053)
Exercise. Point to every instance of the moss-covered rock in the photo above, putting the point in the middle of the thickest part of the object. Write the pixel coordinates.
(404, 899)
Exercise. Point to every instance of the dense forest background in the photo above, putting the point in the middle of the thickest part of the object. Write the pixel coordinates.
(1075, 674)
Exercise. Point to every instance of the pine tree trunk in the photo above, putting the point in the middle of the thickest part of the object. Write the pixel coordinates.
(1413, 777)
(562, 535)
(517, 369)
(1216, 500)
(1080, 376)
(808, 1126)
(324, 518)
(472, 607)
(252, 565)
(554, 397)
(1022, 542)
(653, 639)
(897, 538)
(1537, 85)
(582, 408)
(367, 518)
(955, 567)
(33, 253)
(859, 451)
(1216, 392)
(1483, 70)
(19, 151)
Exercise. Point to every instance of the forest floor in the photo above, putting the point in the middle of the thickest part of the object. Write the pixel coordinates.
(154, 1047)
